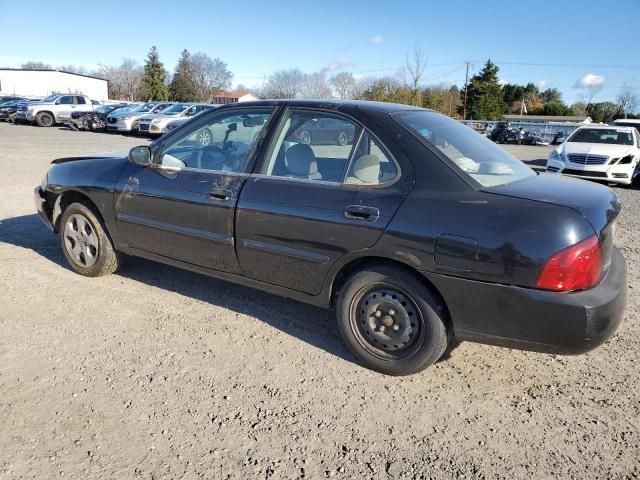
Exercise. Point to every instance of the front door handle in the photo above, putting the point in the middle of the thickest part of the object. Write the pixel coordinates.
(362, 213)
(220, 194)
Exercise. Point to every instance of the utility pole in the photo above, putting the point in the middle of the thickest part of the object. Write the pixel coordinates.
(466, 84)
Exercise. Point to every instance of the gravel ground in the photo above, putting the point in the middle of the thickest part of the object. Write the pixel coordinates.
(159, 373)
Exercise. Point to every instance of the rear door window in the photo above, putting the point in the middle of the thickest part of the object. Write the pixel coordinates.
(311, 145)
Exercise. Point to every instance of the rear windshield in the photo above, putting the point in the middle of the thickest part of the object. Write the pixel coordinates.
(473, 154)
(601, 135)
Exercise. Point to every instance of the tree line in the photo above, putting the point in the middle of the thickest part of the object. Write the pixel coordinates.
(197, 77)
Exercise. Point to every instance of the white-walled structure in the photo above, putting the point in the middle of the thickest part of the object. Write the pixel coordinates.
(40, 83)
(224, 98)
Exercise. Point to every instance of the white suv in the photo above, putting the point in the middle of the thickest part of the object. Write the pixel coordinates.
(56, 109)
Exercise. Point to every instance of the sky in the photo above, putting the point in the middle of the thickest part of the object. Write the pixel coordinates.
(566, 44)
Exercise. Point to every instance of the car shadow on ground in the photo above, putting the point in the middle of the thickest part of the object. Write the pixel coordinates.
(314, 325)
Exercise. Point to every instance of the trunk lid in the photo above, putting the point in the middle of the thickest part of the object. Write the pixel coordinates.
(598, 204)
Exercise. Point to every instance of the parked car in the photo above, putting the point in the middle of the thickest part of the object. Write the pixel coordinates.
(9, 108)
(9, 98)
(627, 122)
(599, 152)
(172, 124)
(54, 109)
(96, 120)
(127, 121)
(326, 131)
(153, 123)
(422, 231)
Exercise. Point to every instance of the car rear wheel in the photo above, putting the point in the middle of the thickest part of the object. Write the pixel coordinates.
(204, 137)
(391, 321)
(305, 137)
(85, 244)
(343, 138)
(44, 119)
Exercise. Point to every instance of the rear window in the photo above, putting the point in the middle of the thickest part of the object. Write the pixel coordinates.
(473, 154)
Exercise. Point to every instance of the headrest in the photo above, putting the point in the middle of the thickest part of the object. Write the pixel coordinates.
(367, 169)
(300, 160)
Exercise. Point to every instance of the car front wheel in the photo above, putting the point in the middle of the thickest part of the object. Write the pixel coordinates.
(85, 244)
(391, 321)
(44, 119)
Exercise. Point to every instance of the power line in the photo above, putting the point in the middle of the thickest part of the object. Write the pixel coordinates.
(566, 65)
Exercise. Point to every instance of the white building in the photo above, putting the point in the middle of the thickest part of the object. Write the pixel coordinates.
(40, 83)
(224, 98)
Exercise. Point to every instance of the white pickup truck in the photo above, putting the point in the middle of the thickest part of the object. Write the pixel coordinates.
(55, 109)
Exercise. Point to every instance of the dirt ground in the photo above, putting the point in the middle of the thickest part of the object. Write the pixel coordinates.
(157, 373)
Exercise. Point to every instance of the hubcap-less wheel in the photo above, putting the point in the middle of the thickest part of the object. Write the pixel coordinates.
(343, 139)
(81, 241)
(46, 120)
(204, 138)
(387, 322)
(305, 137)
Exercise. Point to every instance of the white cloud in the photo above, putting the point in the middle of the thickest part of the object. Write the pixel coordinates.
(590, 81)
(376, 40)
(542, 84)
(502, 82)
(339, 64)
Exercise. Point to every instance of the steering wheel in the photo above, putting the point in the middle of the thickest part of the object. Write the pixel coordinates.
(228, 159)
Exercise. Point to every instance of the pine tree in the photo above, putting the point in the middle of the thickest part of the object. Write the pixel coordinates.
(152, 86)
(183, 87)
(484, 97)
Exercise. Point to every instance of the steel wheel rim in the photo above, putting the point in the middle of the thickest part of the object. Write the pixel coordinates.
(387, 322)
(81, 241)
(204, 138)
(305, 138)
(342, 139)
(46, 120)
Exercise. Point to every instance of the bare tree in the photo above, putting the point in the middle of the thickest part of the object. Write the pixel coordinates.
(36, 65)
(124, 80)
(628, 99)
(284, 84)
(316, 85)
(79, 69)
(211, 75)
(414, 69)
(345, 85)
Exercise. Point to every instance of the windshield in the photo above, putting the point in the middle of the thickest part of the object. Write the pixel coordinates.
(50, 98)
(175, 109)
(474, 155)
(145, 107)
(601, 135)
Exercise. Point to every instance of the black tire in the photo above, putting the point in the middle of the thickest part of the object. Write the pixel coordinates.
(100, 259)
(394, 295)
(45, 119)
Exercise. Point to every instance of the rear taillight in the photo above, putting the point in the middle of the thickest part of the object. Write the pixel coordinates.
(574, 268)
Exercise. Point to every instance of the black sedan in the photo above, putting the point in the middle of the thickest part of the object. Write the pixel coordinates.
(418, 231)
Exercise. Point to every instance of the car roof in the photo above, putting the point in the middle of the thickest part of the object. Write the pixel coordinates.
(633, 121)
(328, 104)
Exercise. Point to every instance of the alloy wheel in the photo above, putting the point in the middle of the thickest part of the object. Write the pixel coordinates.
(81, 241)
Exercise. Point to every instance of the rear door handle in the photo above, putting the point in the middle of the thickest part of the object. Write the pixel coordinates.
(362, 213)
(220, 194)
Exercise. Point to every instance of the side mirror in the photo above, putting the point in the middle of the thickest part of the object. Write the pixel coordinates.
(140, 156)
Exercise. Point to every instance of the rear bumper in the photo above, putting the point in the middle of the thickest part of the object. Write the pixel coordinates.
(529, 319)
(43, 208)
